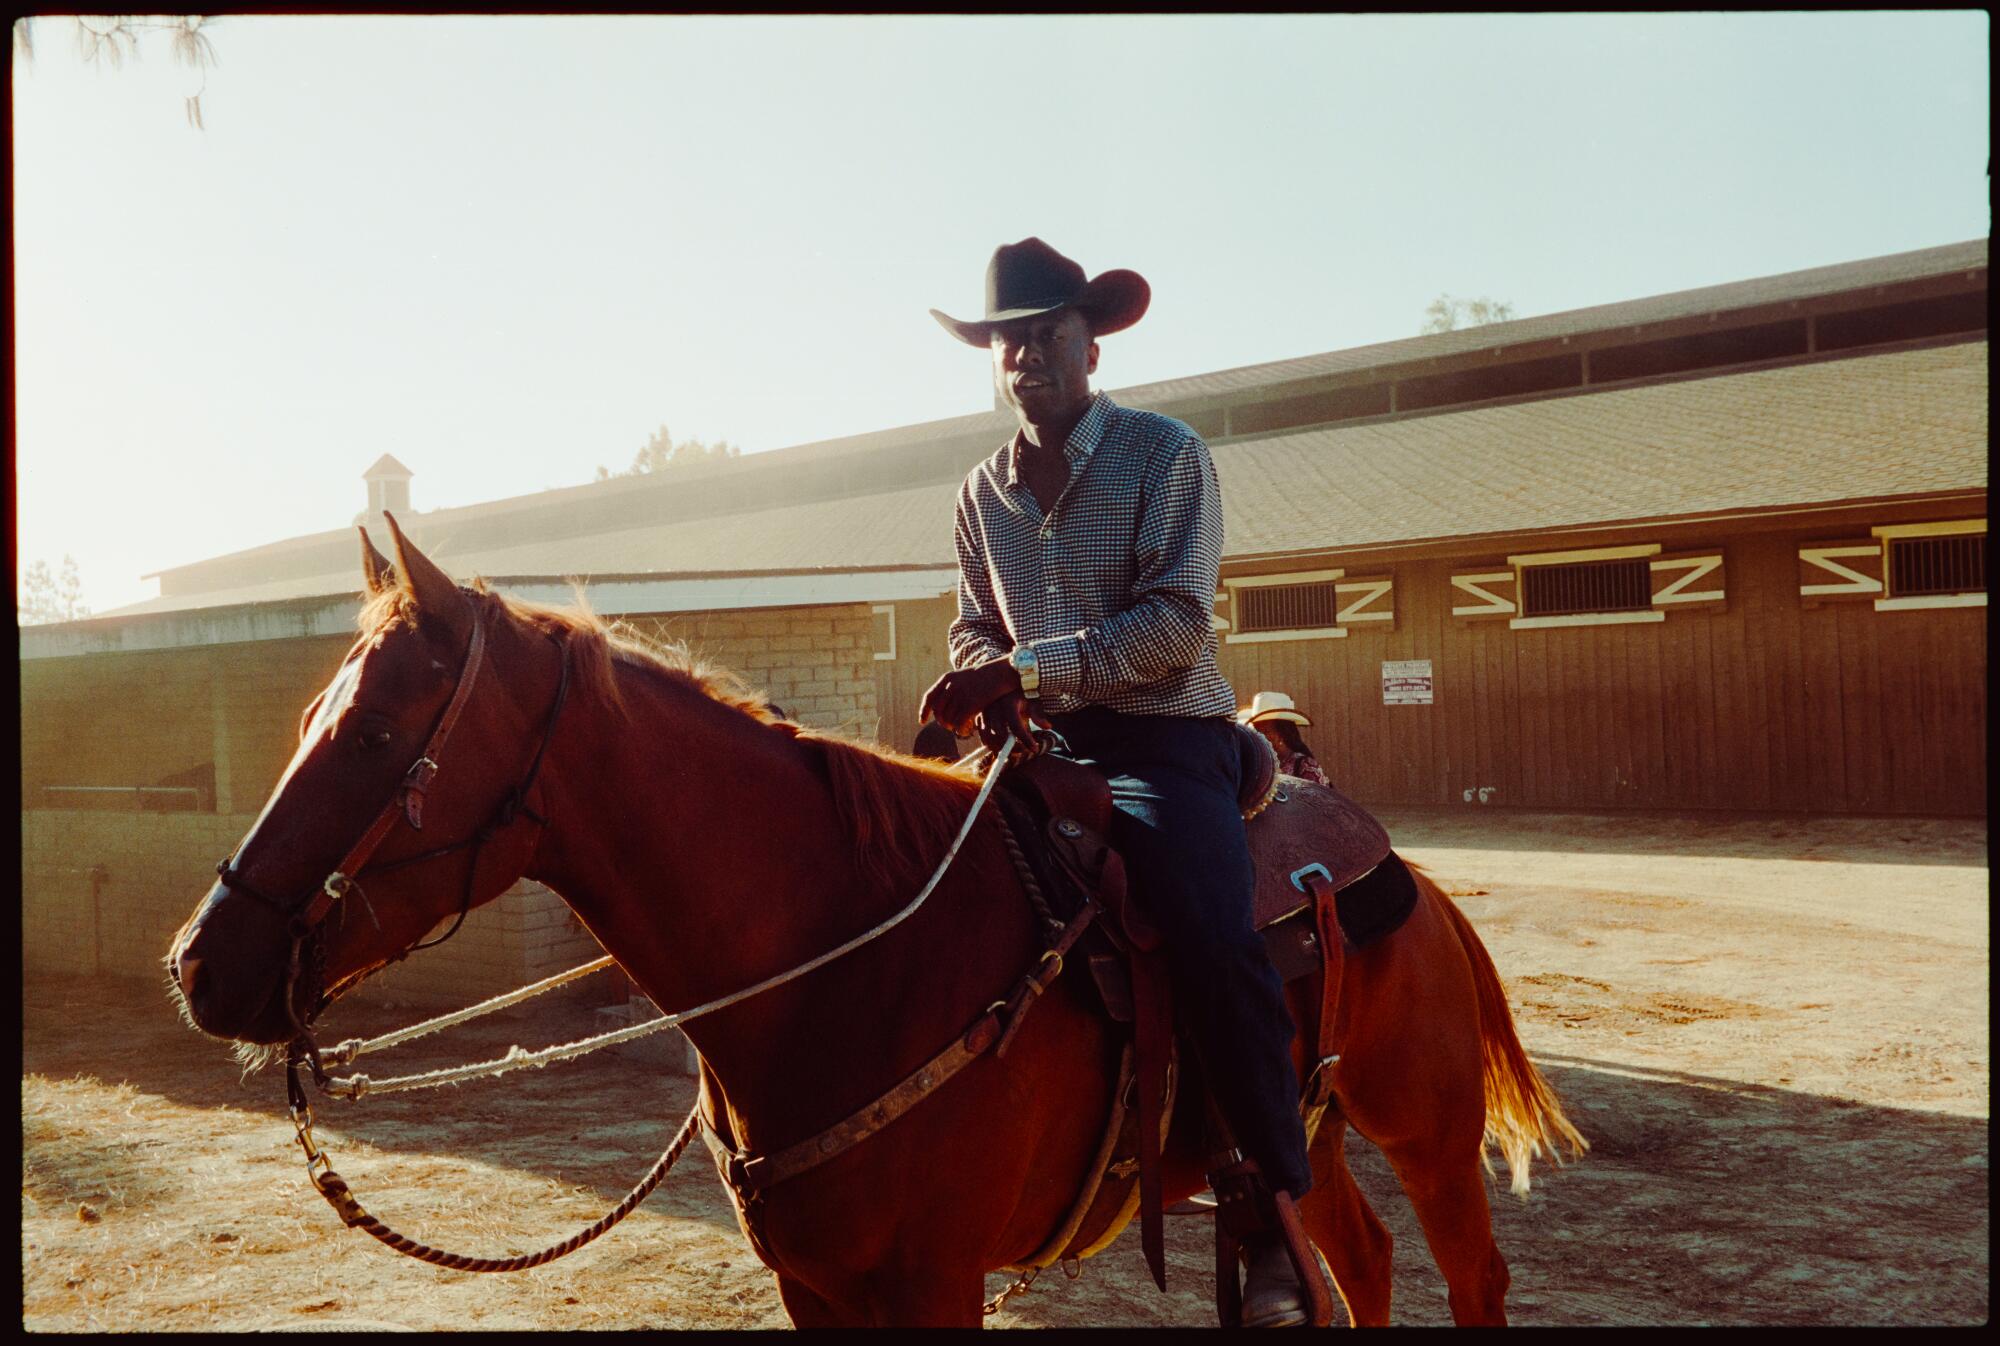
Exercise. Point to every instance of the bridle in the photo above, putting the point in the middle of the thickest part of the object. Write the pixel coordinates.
(304, 915)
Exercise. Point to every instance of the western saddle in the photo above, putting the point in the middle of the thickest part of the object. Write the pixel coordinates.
(1327, 881)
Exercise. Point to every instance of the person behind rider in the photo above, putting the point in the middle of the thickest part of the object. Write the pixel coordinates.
(1089, 547)
(1273, 715)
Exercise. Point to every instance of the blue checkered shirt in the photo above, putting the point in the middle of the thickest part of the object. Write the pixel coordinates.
(1115, 590)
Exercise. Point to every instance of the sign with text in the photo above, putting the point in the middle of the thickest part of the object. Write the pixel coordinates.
(1406, 682)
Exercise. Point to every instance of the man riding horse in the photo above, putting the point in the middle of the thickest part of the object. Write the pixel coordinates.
(1088, 551)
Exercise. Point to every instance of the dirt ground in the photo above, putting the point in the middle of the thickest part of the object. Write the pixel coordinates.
(1774, 1034)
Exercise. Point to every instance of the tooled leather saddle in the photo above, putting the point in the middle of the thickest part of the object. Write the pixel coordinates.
(1327, 881)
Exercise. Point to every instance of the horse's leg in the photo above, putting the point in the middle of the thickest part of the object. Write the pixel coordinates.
(1410, 1081)
(808, 1309)
(1339, 1220)
(926, 1297)
(1447, 1188)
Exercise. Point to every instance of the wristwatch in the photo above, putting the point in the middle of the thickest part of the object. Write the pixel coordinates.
(1023, 661)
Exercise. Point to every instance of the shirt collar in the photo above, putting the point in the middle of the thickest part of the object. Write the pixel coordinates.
(1084, 438)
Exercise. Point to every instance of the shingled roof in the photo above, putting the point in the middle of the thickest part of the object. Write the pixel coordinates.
(1788, 287)
(1906, 423)
(813, 479)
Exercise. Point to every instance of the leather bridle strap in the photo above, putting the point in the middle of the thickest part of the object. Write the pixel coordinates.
(408, 802)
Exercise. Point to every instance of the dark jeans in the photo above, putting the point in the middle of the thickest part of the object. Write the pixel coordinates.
(1174, 781)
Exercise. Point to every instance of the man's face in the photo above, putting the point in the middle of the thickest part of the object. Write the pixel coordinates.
(1042, 365)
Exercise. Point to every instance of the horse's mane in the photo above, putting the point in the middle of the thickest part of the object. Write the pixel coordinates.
(901, 811)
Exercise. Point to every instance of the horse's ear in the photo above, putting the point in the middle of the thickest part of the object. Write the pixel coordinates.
(437, 597)
(376, 571)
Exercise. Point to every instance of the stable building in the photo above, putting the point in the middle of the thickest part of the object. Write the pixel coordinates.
(1718, 549)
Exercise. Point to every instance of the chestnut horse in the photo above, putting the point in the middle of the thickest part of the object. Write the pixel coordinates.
(708, 846)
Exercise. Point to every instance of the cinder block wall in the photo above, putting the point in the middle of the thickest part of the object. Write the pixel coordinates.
(133, 718)
(816, 663)
(157, 866)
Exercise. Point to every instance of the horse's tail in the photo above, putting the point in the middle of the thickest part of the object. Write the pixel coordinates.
(1523, 1116)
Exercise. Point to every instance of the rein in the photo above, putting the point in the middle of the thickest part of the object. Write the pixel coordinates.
(302, 1053)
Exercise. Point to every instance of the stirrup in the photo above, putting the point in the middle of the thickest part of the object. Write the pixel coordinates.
(1246, 1210)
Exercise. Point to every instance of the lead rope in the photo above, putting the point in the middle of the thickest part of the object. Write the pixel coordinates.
(329, 1184)
(337, 1193)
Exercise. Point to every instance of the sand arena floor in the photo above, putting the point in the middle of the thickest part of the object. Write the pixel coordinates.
(1774, 1033)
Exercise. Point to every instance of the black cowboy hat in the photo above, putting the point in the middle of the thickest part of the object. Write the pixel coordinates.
(1030, 277)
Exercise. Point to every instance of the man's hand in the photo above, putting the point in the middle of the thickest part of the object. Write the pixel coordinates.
(1012, 714)
(987, 699)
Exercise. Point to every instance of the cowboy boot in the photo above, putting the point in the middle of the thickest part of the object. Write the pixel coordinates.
(1272, 1294)
(1262, 1228)
(1247, 1232)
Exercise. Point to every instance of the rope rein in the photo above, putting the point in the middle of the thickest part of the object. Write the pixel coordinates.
(319, 1167)
(355, 1086)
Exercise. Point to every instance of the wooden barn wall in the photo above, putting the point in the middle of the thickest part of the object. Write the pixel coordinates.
(1762, 706)
(921, 659)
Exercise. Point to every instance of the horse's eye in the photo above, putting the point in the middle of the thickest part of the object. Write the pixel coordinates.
(375, 738)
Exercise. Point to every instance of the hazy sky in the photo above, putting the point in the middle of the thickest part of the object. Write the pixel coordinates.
(504, 249)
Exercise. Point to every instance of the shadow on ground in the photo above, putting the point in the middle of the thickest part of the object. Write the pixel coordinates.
(1861, 841)
(599, 1121)
(1701, 1201)
(1710, 1201)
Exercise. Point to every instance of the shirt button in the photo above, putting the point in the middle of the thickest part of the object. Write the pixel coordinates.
(1054, 587)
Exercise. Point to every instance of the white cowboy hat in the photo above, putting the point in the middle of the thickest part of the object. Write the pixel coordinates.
(1270, 706)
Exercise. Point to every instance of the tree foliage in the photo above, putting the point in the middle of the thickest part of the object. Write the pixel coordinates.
(50, 598)
(113, 37)
(663, 451)
(1448, 314)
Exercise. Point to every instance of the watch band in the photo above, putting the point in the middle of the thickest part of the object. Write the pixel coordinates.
(1023, 660)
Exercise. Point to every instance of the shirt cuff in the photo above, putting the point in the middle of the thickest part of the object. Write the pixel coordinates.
(1058, 664)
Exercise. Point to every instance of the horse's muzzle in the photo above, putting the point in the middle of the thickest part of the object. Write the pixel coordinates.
(228, 979)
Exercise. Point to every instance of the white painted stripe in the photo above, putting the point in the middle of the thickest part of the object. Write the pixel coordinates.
(1678, 592)
(1942, 528)
(1296, 577)
(1587, 619)
(1251, 637)
(1930, 601)
(1549, 558)
(1822, 557)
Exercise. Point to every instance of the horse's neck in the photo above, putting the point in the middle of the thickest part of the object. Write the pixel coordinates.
(706, 853)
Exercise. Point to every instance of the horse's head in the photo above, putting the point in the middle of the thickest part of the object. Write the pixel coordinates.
(408, 800)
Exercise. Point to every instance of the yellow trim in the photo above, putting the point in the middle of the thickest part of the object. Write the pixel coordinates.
(1673, 592)
(1823, 558)
(1313, 633)
(1554, 558)
(1587, 619)
(1945, 528)
(1297, 577)
(1370, 590)
(1495, 605)
(1930, 601)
